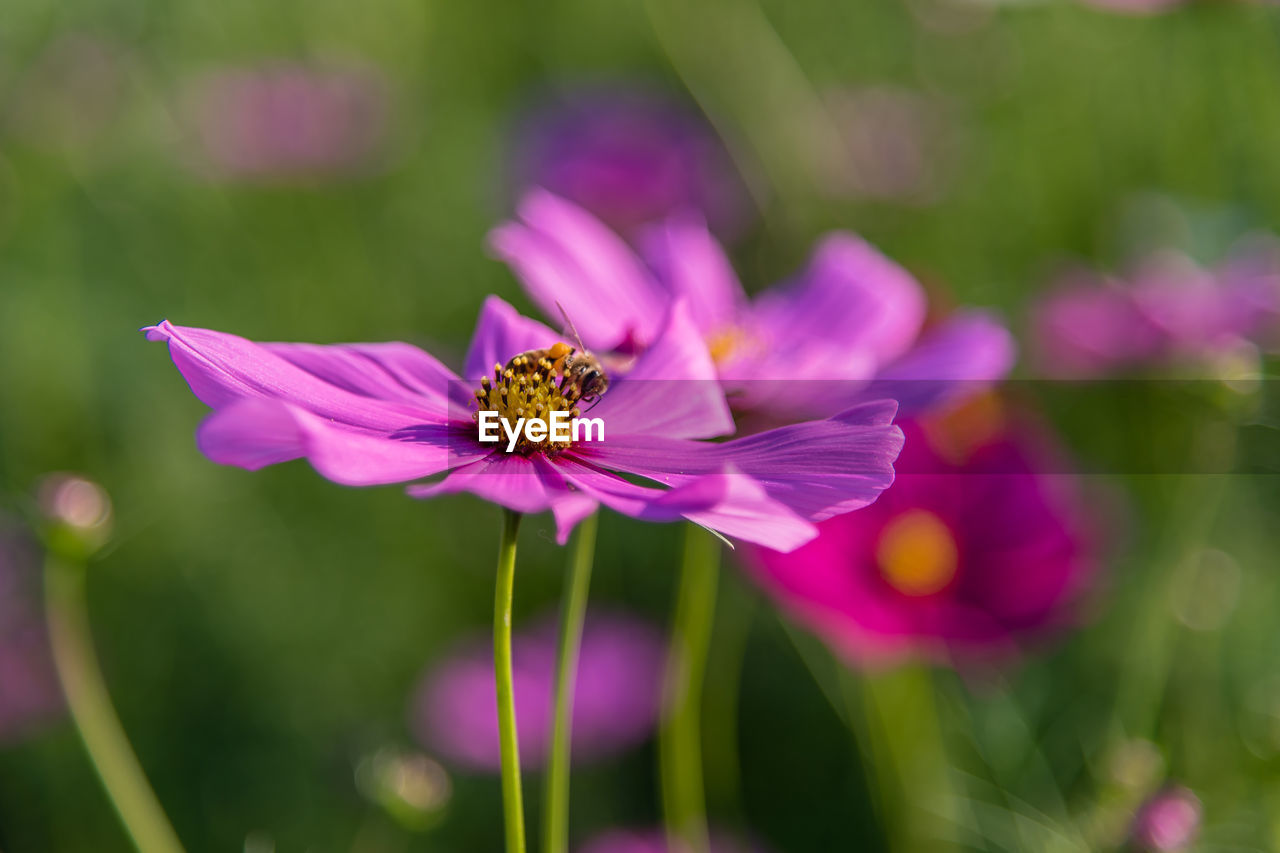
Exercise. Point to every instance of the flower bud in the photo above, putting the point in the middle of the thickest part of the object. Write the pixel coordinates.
(78, 513)
(1168, 821)
(410, 786)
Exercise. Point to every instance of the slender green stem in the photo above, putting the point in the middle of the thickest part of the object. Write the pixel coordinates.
(1151, 659)
(908, 764)
(512, 797)
(573, 611)
(100, 730)
(680, 741)
(735, 613)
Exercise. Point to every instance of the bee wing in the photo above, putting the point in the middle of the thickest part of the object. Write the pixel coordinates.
(572, 328)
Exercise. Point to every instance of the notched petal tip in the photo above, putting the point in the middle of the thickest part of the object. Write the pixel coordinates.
(161, 331)
(871, 413)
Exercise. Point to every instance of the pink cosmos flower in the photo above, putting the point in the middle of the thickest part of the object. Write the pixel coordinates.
(630, 155)
(1136, 7)
(963, 558)
(1169, 311)
(29, 691)
(289, 122)
(846, 330)
(616, 703)
(1167, 821)
(369, 414)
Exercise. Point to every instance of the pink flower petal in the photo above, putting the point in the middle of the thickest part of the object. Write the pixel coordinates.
(727, 501)
(502, 333)
(519, 483)
(383, 371)
(222, 369)
(816, 469)
(563, 254)
(691, 263)
(672, 389)
(255, 432)
(966, 353)
(850, 300)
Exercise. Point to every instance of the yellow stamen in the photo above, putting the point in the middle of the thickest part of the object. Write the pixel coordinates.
(722, 344)
(917, 554)
(526, 388)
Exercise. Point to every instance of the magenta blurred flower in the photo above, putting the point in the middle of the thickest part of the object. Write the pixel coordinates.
(1170, 311)
(629, 155)
(1167, 821)
(286, 122)
(655, 841)
(1136, 7)
(616, 701)
(898, 144)
(846, 330)
(29, 692)
(369, 414)
(965, 556)
(1152, 7)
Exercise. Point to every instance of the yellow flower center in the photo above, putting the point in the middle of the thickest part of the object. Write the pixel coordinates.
(528, 387)
(727, 342)
(916, 553)
(721, 344)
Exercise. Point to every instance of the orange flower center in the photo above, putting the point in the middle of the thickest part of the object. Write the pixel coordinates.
(916, 553)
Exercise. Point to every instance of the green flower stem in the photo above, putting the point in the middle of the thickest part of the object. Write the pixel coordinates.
(95, 719)
(735, 614)
(679, 740)
(903, 744)
(1150, 658)
(573, 611)
(512, 797)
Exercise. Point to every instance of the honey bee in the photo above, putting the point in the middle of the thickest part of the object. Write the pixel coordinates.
(582, 378)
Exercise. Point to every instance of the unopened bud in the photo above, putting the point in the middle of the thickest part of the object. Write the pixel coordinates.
(1168, 821)
(78, 513)
(410, 786)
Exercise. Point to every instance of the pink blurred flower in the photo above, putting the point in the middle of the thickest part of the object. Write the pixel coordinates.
(971, 551)
(630, 155)
(1167, 821)
(1169, 311)
(1153, 7)
(848, 328)
(288, 122)
(29, 692)
(616, 702)
(1136, 7)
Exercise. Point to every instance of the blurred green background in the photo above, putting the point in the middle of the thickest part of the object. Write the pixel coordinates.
(262, 632)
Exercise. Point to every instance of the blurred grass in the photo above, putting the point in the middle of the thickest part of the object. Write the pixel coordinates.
(261, 631)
